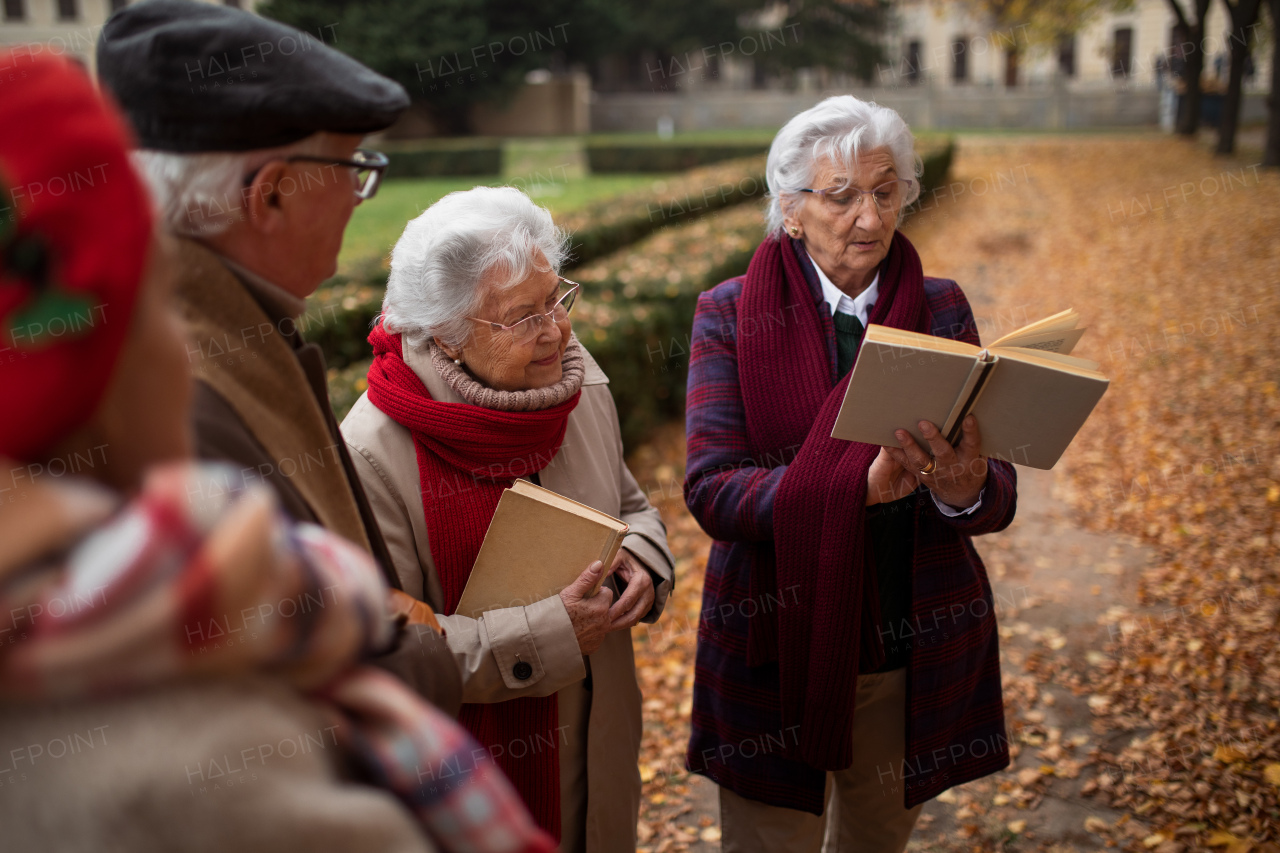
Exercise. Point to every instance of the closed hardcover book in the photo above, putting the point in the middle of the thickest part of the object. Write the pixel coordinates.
(1028, 394)
(538, 543)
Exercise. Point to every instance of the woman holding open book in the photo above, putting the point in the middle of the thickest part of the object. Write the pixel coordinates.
(478, 381)
(847, 664)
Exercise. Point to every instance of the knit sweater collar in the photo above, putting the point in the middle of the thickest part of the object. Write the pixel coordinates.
(436, 366)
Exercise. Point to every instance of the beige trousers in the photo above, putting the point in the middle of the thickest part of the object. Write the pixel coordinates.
(864, 812)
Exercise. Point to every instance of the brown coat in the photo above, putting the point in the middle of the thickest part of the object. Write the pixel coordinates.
(262, 402)
(600, 779)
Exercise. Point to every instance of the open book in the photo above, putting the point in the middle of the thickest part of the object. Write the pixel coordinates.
(1029, 394)
(538, 543)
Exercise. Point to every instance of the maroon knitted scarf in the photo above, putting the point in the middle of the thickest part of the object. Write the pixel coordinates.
(821, 556)
(459, 446)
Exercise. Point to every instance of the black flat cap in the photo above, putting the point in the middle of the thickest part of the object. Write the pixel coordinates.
(204, 77)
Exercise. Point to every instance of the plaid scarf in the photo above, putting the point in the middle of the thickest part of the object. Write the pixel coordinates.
(199, 577)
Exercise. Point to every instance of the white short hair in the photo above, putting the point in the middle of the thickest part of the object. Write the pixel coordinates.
(837, 129)
(201, 194)
(447, 258)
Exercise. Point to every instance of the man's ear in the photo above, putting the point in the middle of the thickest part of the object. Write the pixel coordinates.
(262, 199)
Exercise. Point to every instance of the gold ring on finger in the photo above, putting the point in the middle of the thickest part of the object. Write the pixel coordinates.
(930, 468)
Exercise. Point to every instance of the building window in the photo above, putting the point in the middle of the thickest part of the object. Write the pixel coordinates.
(1067, 56)
(15, 10)
(960, 59)
(114, 6)
(1122, 52)
(67, 10)
(912, 62)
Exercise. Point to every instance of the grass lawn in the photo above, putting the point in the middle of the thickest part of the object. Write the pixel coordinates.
(377, 224)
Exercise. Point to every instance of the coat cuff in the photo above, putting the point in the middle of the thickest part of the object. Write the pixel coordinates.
(539, 636)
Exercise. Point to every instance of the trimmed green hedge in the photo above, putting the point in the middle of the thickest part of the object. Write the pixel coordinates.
(611, 224)
(937, 165)
(450, 158)
(340, 315)
(636, 313)
(346, 385)
(664, 156)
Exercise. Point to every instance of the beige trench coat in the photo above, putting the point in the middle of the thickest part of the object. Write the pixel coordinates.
(599, 774)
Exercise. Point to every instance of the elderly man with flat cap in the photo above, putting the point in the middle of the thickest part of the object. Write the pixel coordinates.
(249, 134)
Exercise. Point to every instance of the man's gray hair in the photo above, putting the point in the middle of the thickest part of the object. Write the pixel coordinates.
(838, 129)
(449, 257)
(201, 194)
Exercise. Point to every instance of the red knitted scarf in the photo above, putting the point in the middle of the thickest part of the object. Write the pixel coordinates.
(467, 456)
(821, 557)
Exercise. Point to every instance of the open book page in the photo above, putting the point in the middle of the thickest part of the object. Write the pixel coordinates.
(1053, 360)
(1060, 322)
(1054, 340)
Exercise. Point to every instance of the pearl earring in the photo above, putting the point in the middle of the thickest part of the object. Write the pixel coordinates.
(457, 361)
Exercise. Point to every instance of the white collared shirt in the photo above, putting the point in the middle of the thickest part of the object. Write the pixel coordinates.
(837, 300)
(860, 307)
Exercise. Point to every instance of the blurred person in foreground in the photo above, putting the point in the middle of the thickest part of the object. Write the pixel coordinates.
(847, 663)
(257, 175)
(477, 380)
(156, 693)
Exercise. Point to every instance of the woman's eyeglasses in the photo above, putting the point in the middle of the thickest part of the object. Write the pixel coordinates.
(527, 330)
(887, 197)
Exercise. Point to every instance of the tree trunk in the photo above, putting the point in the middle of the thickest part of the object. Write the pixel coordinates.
(1244, 14)
(1271, 154)
(1189, 110)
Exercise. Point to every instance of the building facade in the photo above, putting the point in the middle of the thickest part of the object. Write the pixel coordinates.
(65, 27)
(940, 44)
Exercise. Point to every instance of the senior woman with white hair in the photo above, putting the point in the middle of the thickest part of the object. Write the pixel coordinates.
(847, 667)
(478, 380)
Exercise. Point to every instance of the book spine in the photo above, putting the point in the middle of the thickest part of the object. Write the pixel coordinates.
(969, 395)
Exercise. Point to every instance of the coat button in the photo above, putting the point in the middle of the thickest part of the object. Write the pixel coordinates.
(522, 670)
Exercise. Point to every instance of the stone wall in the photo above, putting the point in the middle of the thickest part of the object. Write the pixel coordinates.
(923, 108)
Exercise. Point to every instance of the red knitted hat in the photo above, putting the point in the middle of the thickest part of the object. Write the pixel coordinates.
(75, 228)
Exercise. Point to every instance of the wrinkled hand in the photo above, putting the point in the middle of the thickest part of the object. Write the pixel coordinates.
(590, 615)
(961, 471)
(887, 480)
(637, 598)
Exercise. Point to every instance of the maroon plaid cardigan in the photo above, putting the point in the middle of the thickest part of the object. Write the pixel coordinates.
(955, 718)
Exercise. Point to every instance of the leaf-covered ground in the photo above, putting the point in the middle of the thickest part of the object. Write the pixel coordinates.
(1139, 590)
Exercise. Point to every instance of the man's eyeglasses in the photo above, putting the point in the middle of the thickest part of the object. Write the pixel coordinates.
(369, 166)
(886, 197)
(527, 330)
